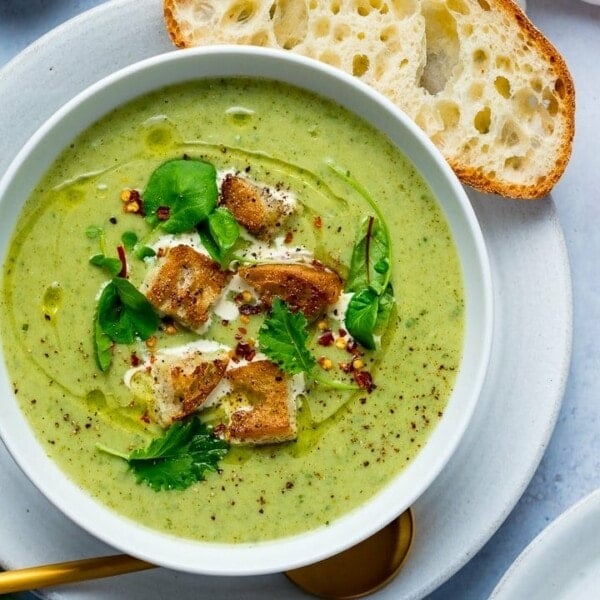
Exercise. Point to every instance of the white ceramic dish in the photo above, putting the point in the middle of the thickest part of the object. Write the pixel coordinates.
(500, 450)
(562, 562)
(404, 489)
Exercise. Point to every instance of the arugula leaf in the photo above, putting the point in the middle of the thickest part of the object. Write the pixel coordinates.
(177, 460)
(124, 313)
(185, 189)
(112, 265)
(102, 346)
(283, 336)
(371, 258)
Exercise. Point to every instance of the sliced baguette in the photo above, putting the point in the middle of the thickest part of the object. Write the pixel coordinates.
(485, 85)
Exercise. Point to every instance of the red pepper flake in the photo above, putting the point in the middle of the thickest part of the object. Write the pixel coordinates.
(123, 259)
(352, 347)
(342, 332)
(318, 223)
(326, 339)
(346, 367)
(135, 360)
(289, 236)
(145, 417)
(250, 309)
(364, 380)
(245, 350)
(162, 213)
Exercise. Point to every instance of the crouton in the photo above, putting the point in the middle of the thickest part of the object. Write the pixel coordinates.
(268, 411)
(254, 207)
(184, 285)
(309, 288)
(182, 383)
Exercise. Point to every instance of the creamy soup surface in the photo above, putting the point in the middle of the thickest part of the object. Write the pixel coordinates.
(350, 443)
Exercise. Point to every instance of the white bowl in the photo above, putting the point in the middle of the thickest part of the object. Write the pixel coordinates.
(287, 552)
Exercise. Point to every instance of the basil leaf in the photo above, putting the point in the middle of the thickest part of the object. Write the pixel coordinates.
(361, 317)
(371, 258)
(102, 346)
(112, 265)
(187, 189)
(124, 313)
(283, 336)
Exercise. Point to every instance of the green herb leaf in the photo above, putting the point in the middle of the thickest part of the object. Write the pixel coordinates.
(112, 265)
(223, 228)
(94, 232)
(124, 313)
(283, 336)
(384, 310)
(186, 189)
(102, 346)
(144, 252)
(371, 258)
(129, 239)
(178, 459)
(219, 233)
(361, 317)
(368, 314)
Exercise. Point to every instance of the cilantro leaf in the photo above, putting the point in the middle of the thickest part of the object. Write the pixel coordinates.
(283, 336)
(178, 459)
(124, 313)
(180, 194)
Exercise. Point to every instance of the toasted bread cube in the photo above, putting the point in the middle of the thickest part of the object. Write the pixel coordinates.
(182, 383)
(253, 207)
(271, 418)
(308, 288)
(184, 285)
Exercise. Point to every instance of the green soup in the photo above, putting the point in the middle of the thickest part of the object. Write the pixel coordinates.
(349, 444)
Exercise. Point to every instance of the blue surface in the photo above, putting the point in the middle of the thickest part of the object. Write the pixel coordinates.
(571, 466)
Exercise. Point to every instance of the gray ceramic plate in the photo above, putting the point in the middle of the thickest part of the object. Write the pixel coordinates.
(509, 431)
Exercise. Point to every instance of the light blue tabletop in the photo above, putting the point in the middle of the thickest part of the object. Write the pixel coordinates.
(570, 468)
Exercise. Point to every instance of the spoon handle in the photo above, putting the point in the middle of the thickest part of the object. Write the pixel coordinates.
(22, 580)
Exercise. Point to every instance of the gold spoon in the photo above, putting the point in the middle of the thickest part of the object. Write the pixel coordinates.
(354, 573)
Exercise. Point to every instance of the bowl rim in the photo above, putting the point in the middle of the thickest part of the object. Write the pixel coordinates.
(301, 549)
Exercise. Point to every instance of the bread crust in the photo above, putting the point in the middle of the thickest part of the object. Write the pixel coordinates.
(272, 418)
(468, 169)
(307, 288)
